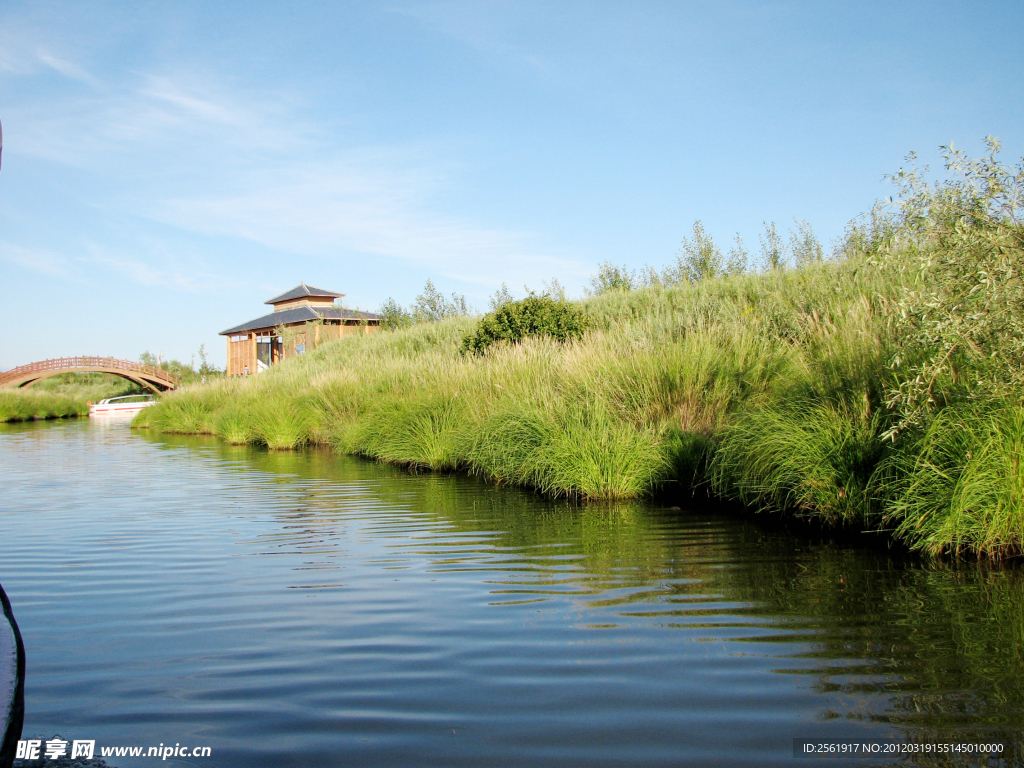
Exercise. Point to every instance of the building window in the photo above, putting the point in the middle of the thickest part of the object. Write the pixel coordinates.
(239, 338)
(300, 348)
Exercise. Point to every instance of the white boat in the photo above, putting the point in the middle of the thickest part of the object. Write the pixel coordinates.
(123, 404)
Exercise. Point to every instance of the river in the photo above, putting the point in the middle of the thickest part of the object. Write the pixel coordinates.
(305, 609)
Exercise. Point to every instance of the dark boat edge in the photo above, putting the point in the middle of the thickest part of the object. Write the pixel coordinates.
(16, 706)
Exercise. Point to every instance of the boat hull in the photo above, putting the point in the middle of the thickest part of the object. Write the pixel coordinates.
(12, 682)
(115, 409)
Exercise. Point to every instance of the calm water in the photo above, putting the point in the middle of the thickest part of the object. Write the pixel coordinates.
(311, 610)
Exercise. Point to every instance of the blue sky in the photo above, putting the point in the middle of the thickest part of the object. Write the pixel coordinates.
(167, 167)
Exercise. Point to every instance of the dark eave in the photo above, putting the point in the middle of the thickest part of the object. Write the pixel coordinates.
(303, 290)
(299, 315)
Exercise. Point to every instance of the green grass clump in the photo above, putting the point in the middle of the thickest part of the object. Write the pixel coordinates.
(178, 415)
(421, 433)
(189, 409)
(235, 424)
(581, 450)
(279, 426)
(815, 458)
(596, 456)
(962, 487)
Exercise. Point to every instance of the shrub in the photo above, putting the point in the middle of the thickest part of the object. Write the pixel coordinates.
(959, 244)
(532, 316)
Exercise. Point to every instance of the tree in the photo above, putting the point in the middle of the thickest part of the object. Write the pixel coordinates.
(610, 277)
(867, 234)
(698, 259)
(773, 252)
(204, 363)
(393, 315)
(500, 298)
(738, 257)
(553, 290)
(431, 305)
(804, 245)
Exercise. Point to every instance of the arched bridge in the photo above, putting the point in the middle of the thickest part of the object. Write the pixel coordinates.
(157, 379)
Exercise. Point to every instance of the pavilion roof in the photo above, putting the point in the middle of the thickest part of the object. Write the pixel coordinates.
(301, 290)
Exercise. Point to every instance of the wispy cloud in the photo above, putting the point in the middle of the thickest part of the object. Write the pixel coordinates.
(208, 155)
(160, 121)
(166, 90)
(167, 266)
(30, 37)
(67, 68)
(40, 261)
(340, 207)
(143, 274)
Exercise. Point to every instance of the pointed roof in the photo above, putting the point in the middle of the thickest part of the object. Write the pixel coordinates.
(303, 290)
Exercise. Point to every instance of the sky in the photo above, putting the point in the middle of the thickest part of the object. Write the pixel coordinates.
(168, 167)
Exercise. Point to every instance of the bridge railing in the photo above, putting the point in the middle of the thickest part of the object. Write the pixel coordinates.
(78, 363)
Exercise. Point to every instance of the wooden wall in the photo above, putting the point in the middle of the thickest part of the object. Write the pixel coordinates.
(243, 353)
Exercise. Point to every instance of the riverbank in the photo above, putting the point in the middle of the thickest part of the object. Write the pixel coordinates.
(265, 552)
(29, 406)
(763, 388)
(880, 390)
(768, 389)
(61, 397)
(68, 395)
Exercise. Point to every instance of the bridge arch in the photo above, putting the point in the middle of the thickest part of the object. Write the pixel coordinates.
(149, 376)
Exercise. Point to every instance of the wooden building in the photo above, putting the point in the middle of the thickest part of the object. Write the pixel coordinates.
(303, 318)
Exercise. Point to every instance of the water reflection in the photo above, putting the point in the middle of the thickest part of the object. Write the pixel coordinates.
(334, 606)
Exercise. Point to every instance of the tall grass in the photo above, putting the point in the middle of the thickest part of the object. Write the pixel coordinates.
(962, 487)
(817, 458)
(765, 388)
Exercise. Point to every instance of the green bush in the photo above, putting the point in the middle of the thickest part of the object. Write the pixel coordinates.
(532, 316)
(958, 327)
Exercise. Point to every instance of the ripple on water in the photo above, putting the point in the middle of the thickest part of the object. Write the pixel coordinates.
(300, 609)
